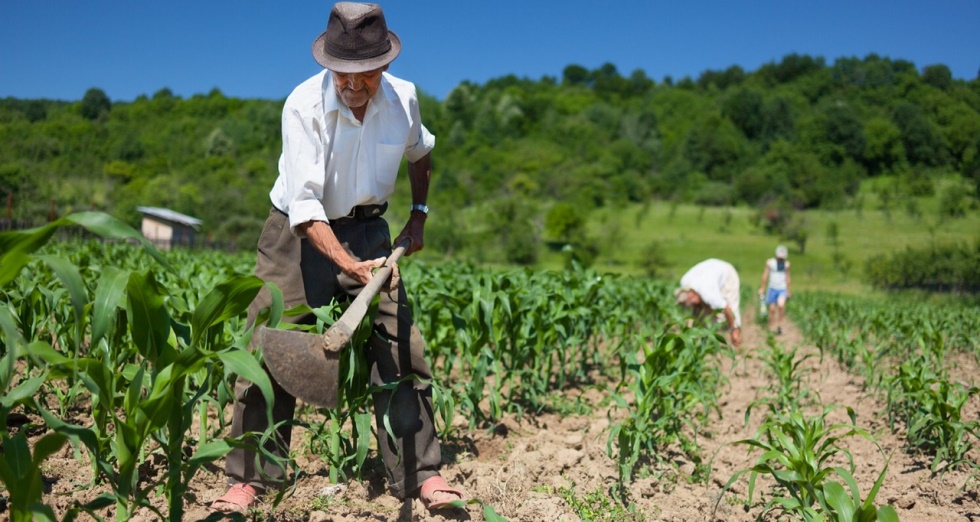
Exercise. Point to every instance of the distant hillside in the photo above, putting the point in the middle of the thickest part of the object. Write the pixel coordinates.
(800, 133)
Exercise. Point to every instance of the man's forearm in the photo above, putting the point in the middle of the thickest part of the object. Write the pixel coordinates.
(730, 317)
(419, 173)
(323, 239)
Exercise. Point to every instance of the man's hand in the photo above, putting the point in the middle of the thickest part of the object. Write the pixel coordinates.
(363, 271)
(392, 283)
(414, 231)
(736, 337)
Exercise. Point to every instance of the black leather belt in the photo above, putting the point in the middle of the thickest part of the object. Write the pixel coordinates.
(366, 212)
(359, 212)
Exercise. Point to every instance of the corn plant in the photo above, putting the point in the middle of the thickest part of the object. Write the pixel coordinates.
(326, 436)
(901, 326)
(931, 409)
(789, 391)
(797, 454)
(152, 397)
(599, 504)
(673, 388)
(505, 341)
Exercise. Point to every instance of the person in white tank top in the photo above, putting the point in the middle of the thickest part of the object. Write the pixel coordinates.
(775, 287)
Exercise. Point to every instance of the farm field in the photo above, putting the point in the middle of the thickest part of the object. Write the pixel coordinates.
(522, 466)
(559, 395)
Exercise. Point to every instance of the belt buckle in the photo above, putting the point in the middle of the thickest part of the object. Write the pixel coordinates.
(352, 214)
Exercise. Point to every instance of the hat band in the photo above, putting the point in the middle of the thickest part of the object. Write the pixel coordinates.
(361, 53)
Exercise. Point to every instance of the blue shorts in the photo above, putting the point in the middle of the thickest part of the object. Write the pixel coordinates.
(773, 296)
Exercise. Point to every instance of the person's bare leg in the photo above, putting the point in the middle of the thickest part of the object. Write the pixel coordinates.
(781, 306)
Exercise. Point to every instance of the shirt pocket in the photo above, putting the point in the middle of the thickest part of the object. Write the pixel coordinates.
(387, 160)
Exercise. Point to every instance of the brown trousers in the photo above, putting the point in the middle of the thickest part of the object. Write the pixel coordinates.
(396, 349)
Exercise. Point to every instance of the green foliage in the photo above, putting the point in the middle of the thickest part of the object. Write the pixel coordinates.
(913, 338)
(930, 407)
(797, 130)
(673, 387)
(564, 223)
(937, 267)
(954, 201)
(120, 339)
(95, 104)
(154, 338)
(599, 505)
(517, 233)
(797, 453)
(790, 391)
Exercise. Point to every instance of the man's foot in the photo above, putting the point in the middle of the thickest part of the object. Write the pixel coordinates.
(238, 499)
(436, 494)
(779, 330)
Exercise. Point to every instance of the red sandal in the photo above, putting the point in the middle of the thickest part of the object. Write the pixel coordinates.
(429, 494)
(238, 499)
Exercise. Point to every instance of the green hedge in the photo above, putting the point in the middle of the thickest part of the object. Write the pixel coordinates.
(944, 268)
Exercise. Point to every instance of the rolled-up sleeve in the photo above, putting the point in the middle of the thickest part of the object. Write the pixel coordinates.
(420, 141)
(301, 167)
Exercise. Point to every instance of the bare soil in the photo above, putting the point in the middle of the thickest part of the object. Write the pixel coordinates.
(520, 466)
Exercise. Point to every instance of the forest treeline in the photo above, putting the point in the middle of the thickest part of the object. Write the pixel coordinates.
(537, 154)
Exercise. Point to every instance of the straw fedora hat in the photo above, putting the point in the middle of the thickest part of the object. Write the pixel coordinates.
(357, 39)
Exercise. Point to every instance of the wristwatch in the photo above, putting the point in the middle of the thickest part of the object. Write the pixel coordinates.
(421, 208)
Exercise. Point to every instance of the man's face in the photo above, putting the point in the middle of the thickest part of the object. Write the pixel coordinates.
(693, 299)
(355, 89)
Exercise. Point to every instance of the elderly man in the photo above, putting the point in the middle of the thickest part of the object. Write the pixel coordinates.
(344, 133)
(713, 285)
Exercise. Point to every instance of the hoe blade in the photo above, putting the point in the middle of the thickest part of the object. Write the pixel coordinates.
(301, 365)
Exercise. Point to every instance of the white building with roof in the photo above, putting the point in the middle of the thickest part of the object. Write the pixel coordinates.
(166, 228)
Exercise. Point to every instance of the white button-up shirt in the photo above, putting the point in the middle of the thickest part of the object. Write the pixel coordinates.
(331, 162)
(717, 283)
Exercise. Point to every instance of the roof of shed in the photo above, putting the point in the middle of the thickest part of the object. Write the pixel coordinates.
(170, 215)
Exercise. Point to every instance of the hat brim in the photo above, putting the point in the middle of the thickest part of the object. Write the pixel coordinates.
(680, 295)
(355, 66)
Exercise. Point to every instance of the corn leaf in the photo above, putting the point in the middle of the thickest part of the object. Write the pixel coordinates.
(148, 318)
(227, 300)
(108, 296)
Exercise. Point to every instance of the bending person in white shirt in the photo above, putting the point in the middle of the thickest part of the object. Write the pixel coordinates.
(709, 286)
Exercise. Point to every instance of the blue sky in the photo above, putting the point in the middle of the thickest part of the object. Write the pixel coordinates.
(249, 49)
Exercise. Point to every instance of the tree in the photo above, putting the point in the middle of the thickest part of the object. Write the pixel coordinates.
(715, 148)
(791, 67)
(884, 150)
(564, 222)
(95, 103)
(938, 76)
(516, 231)
(721, 80)
(744, 108)
(844, 130)
(777, 120)
(639, 83)
(922, 143)
(575, 75)
(606, 80)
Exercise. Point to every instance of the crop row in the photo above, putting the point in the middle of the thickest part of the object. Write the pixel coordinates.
(148, 344)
